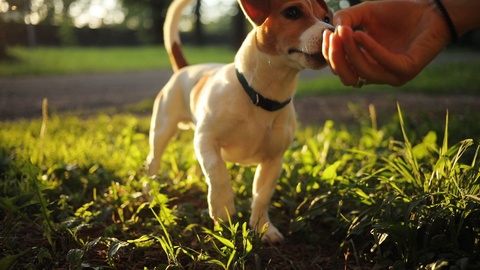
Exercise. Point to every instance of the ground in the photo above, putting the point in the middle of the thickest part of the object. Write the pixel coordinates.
(22, 97)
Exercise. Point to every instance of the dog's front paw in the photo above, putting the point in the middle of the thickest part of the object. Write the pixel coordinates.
(272, 235)
(222, 207)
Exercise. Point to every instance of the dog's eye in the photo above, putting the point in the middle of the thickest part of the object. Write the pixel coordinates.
(292, 13)
(326, 19)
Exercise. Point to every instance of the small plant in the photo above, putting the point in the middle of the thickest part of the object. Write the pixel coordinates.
(429, 204)
(72, 196)
(232, 244)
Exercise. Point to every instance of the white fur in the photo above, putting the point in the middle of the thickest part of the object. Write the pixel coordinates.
(311, 39)
(171, 29)
(228, 126)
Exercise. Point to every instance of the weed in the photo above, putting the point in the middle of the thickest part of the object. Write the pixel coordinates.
(71, 196)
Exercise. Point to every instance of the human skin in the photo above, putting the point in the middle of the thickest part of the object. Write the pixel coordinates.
(399, 38)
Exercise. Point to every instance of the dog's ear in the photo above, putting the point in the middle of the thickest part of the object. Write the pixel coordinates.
(327, 8)
(257, 11)
(323, 5)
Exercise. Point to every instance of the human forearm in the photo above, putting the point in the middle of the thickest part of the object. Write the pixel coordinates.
(464, 14)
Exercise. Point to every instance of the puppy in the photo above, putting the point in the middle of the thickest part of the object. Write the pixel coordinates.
(242, 112)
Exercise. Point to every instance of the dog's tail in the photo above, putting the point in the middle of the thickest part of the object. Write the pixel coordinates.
(171, 37)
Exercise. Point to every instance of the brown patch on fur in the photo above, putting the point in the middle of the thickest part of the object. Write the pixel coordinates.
(177, 58)
(323, 4)
(277, 27)
(256, 10)
(196, 91)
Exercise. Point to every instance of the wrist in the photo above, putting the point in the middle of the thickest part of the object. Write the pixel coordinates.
(447, 20)
(463, 13)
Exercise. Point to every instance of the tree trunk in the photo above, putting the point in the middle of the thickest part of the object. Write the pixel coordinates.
(3, 43)
(158, 10)
(198, 31)
(239, 28)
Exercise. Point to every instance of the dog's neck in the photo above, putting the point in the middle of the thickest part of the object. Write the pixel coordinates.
(272, 76)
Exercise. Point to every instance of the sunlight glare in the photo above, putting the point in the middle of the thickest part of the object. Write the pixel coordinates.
(214, 10)
(344, 4)
(4, 6)
(58, 6)
(96, 13)
(33, 18)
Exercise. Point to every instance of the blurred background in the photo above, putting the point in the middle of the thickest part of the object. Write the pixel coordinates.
(127, 23)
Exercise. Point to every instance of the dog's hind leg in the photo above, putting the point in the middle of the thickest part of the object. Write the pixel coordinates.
(159, 138)
(169, 110)
(264, 183)
(162, 130)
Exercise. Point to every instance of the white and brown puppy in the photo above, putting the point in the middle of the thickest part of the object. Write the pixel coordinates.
(242, 112)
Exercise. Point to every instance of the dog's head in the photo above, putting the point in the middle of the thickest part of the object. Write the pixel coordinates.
(291, 28)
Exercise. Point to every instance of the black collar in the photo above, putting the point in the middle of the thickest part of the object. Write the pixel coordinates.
(259, 100)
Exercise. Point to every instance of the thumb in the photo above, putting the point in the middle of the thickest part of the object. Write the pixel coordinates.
(353, 16)
(393, 62)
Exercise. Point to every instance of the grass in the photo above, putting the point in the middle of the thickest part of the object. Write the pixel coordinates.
(69, 60)
(456, 78)
(401, 195)
(70, 197)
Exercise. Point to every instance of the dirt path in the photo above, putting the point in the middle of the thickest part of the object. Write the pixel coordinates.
(22, 97)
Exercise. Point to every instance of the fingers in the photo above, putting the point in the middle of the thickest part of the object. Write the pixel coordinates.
(353, 16)
(355, 56)
(390, 68)
(370, 60)
(339, 49)
(359, 65)
(382, 54)
(378, 53)
(335, 54)
(326, 44)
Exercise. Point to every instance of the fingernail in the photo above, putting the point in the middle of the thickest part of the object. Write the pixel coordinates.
(342, 30)
(338, 29)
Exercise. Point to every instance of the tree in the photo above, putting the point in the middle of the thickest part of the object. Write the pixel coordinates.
(20, 5)
(3, 43)
(198, 30)
(156, 10)
(239, 28)
(18, 12)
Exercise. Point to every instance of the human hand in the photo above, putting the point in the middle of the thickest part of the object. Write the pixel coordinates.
(400, 38)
